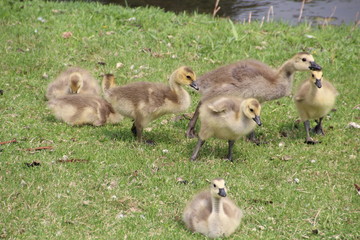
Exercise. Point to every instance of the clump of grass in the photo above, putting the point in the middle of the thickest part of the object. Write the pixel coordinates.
(128, 190)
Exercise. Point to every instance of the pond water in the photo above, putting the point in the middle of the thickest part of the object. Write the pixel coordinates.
(335, 11)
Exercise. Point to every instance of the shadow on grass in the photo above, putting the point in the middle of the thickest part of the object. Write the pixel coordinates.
(218, 149)
(296, 131)
(50, 118)
(292, 130)
(120, 134)
(125, 135)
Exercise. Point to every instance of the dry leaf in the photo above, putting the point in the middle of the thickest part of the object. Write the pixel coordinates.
(354, 125)
(11, 141)
(57, 11)
(181, 180)
(357, 188)
(286, 158)
(33, 164)
(67, 35)
(72, 160)
(39, 148)
(119, 65)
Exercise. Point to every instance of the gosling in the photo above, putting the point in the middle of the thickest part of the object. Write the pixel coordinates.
(251, 79)
(314, 99)
(146, 101)
(83, 109)
(74, 80)
(212, 213)
(227, 117)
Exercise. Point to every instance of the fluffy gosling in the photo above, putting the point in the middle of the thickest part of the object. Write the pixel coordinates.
(73, 80)
(212, 213)
(227, 117)
(314, 99)
(146, 101)
(82, 109)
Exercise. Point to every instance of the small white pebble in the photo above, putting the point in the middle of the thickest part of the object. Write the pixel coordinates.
(120, 216)
(281, 144)
(113, 197)
(309, 36)
(41, 19)
(296, 180)
(132, 19)
(165, 151)
(313, 161)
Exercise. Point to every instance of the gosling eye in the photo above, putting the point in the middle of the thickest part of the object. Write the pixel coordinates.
(312, 75)
(214, 185)
(304, 59)
(251, 110)
(188, 77)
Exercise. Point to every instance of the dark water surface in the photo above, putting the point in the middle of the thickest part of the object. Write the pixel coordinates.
(340, 11)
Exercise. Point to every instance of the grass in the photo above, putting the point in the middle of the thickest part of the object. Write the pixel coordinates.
(127, 190)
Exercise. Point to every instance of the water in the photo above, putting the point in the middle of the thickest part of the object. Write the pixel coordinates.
(339, 11)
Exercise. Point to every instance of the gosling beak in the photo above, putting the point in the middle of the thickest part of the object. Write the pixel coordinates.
(194, 86)
(314, 66)
(222, 192)
(318, 83)
(257, 120)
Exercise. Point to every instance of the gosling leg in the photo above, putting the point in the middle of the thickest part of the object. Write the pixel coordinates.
(252, 138)
(197, 149)
(230, 150)
(308, 139)
(190, 132)
(318, 128)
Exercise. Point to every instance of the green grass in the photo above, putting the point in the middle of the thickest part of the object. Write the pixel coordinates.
(128, 190)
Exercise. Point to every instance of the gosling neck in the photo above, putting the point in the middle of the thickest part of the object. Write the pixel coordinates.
(286, 71)
(217, 205)
(172, 82)
(314, 89)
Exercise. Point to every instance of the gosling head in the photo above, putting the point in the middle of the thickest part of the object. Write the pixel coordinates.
(252, 108)
(316, 77)
(76, 83)
(305, 61)
(108, 81)
(186, 76)
(218, 188)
